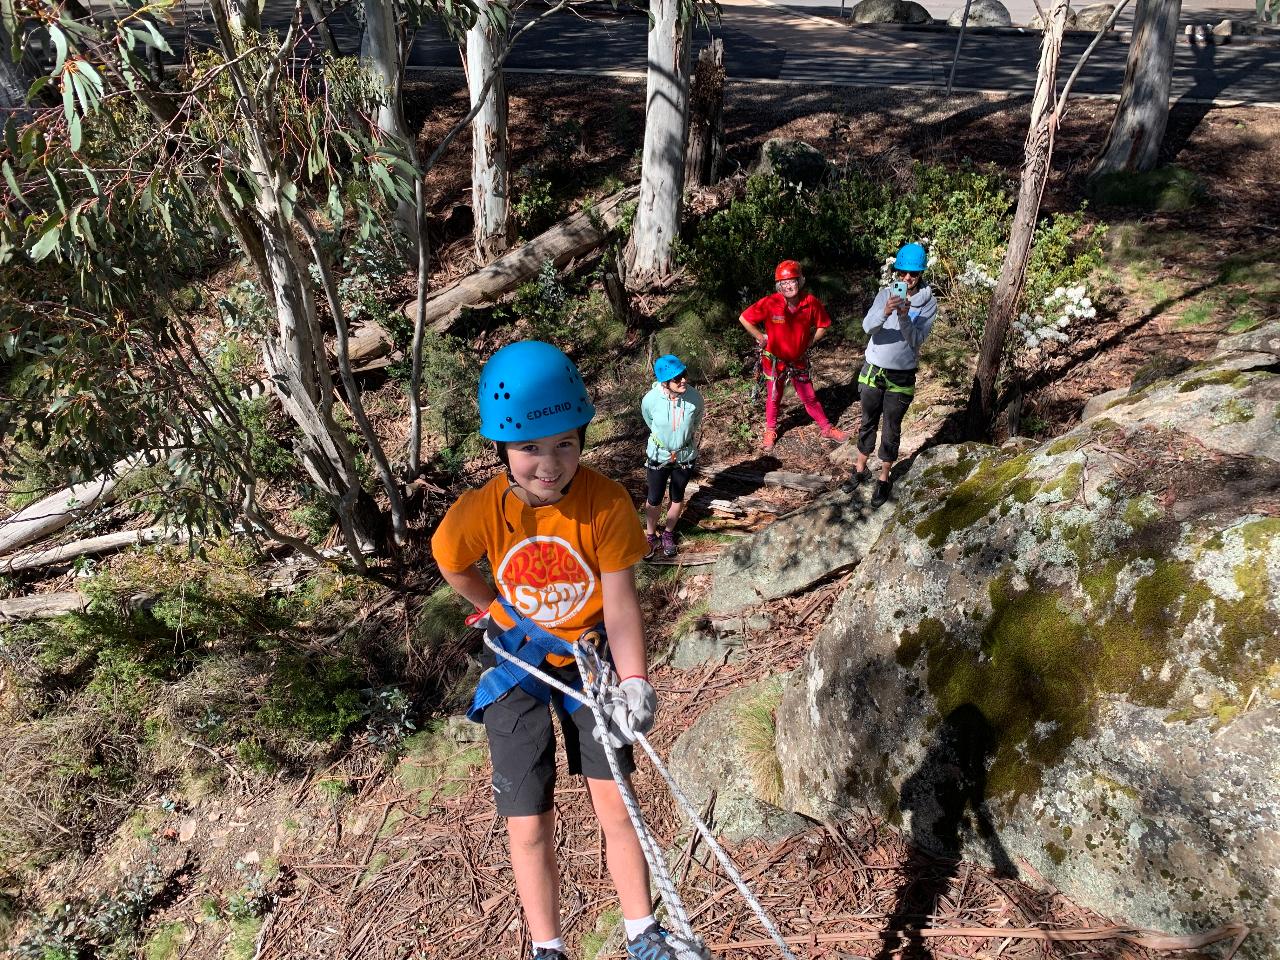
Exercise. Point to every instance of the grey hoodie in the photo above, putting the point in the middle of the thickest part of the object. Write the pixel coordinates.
(893, 346)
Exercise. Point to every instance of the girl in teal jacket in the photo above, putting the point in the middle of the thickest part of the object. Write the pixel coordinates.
(673, 411)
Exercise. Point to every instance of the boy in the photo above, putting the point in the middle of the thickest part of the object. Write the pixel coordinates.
(792, 324)
(672, 410)
(561, 541)
(898, 326)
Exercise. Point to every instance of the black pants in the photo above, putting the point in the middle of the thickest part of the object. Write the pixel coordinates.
(677, 474)
(879, 401)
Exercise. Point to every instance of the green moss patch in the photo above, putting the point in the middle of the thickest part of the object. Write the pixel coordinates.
(1216, 378)
(436, 766)
(994, 481)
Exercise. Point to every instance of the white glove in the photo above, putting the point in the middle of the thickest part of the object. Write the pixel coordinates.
(629, 709)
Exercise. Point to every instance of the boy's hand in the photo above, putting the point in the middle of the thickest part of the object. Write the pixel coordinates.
(642, 703)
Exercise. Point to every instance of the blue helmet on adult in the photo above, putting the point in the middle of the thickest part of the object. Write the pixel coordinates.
(667, 367)
(530, 389)
(911, 257)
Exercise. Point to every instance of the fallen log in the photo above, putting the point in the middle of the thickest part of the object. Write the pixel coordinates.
(42, 606)
(806, 482)
(575, 237)
(38, 520)
(91, 546)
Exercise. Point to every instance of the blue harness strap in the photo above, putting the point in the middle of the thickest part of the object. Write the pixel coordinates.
(530, 644)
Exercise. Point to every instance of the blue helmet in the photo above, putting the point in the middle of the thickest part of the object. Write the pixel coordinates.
(667, 367)
(911, 257)
(530, 390)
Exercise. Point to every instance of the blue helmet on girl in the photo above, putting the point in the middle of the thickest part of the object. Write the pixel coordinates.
(667, 367)
(530, 389)
(911, 257)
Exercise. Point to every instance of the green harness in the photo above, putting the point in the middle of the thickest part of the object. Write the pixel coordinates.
(878, 378)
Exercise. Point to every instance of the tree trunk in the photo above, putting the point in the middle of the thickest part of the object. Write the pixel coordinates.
(380, 52)
(1137, 131)
(1035, 171)
(657, 222)
(490, 197)
(244, 16)
(322, 28)
(51, 514)
(706, 118)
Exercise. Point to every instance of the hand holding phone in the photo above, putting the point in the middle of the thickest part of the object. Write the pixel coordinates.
(899, 289)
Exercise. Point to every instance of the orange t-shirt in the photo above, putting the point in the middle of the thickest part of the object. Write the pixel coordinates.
(546, 561)
(790, 332)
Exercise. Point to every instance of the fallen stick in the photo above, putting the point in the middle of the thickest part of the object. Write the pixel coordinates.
(32, 559)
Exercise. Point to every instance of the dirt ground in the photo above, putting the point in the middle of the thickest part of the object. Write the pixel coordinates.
(380, 868)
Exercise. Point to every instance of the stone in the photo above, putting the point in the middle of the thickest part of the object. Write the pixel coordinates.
(698, 647)
(1037, 22)
(1097, 404)
(1223, 29)
(793, 160)
(1069, 655)
(1094, 16)
(187, 830)
(828, 536)
(982, 13)
(729, 750)
(890, 11)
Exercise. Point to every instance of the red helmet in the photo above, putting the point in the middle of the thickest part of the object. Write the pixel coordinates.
(788, 270)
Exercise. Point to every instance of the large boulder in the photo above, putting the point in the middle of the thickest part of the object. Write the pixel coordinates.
(890, 11)
(793, 553)
(1070, 654)
(1094, 16)
(1037, 22)
(793, 160)
(982, 13)
(730, 751)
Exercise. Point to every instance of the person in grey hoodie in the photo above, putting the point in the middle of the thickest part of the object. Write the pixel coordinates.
(899, 320)
(673, 412)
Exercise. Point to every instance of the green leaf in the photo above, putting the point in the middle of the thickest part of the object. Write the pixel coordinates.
(47, 243)
(68, 96)
(76, 134)
(155, 39)
(60, 46)
(40, 84)
(10, 179)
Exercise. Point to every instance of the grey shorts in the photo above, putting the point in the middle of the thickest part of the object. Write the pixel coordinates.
(522, 744)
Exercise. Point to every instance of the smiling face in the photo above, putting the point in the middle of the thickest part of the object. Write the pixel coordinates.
(542, 468)
(910, 277)
(676, 385)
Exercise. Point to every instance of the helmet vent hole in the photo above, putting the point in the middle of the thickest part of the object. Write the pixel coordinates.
(501, 386)
(495, 396)
(506, 396)
(508, 419)
(519, 425)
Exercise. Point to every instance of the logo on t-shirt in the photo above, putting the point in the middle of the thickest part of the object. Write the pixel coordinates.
(546, 580)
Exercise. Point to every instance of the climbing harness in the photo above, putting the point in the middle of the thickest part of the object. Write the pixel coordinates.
(600, 693)
(878, 378)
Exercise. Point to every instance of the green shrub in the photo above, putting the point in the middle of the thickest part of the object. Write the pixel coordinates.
(269, 454)
(317, 697)
(1165, 189)
(450, 379)
(536, 206)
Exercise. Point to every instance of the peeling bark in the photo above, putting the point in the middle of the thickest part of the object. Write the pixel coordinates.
(706, 118)
(381, 54)
(1013, 272)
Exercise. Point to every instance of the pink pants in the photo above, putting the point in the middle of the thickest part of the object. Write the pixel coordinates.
(776, 380)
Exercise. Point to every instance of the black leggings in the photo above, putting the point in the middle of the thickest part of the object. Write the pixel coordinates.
(677, 473)
(877, 400)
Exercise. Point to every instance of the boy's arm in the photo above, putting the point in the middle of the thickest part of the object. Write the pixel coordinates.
(472, 585)
(623, 624)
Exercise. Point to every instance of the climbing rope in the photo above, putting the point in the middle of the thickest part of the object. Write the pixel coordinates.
(599, 688)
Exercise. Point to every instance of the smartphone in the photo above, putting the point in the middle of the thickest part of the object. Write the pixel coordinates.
(899, 289)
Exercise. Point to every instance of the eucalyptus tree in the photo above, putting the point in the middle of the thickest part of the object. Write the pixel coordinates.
(666, 131)
(1138, 127)
(111, 197)
(490, 148)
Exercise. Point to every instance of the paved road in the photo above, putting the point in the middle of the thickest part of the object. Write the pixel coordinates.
(765, 41)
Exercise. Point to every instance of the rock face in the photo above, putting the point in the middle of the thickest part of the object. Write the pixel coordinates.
(890, 11)
(1071, 654)
(792, 160)
(982, 13)
(829, 536)
(730, 750)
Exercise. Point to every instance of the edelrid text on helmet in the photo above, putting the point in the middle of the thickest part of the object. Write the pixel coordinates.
(667, 368)
(788, 270)
(530, 390)
(911, 257)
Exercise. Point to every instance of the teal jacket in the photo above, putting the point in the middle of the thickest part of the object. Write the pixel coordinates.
(673, 424)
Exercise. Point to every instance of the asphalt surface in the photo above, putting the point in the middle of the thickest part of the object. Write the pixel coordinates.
(768, 42)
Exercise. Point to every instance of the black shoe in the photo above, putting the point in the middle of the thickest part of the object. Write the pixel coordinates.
(881, 495)
(548, 953)
(858, 478)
